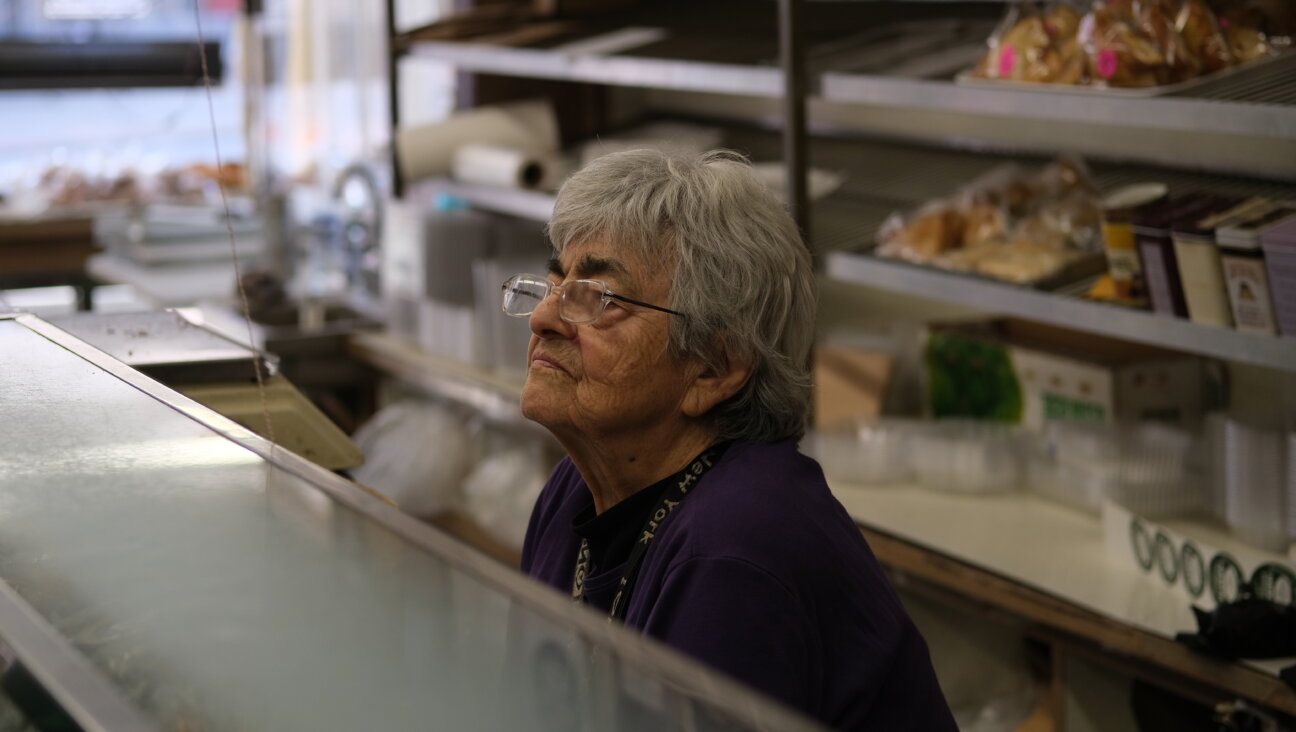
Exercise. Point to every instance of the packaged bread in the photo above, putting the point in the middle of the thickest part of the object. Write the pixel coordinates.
(982, 221)
(1134, 43)
(1025, 260)
(1244, 26)
(1021, 49)
(1034, 46)
(1062, 22)
(1248, 43)
(1009, 223)
(1120, 53)
(1201, 33)
(1156, 18)
(933, 230)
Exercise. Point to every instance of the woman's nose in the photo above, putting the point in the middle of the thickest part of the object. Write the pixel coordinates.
(545, 321)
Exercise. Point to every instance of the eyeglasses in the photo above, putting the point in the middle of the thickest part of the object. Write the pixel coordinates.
(579, 301)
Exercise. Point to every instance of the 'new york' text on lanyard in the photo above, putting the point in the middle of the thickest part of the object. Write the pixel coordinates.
(675, 492)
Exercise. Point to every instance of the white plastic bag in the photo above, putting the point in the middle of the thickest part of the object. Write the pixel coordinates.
(417, 453)
(501, 492)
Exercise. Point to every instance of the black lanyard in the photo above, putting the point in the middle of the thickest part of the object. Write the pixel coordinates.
(675, 492)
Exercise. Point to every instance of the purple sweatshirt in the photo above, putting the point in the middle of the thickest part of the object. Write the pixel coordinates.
(761, 573)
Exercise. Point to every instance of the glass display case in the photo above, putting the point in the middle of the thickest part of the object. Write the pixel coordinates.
(162, 567)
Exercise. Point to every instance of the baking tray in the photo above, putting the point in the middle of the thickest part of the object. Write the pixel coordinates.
(965, 78)
(1082, 269)
(168, 347)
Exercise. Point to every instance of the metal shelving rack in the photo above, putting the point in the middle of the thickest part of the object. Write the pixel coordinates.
(525, 204)
(1106, 319)
(495, 397)
(907, 176)
(1254, 106)
(626, 70)
(1258, 101)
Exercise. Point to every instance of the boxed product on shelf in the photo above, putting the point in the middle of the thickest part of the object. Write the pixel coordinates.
(1245, 274)
(1153, 45)
(1019, 371)
(1200, 268)
(1160, 267)
(1037, 229)
(850, 380)
(1279, 243)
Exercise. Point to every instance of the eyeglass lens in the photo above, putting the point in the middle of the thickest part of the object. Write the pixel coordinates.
(523, 294)
(580, 301)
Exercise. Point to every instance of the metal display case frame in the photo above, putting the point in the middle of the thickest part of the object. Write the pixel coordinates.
(93, 702)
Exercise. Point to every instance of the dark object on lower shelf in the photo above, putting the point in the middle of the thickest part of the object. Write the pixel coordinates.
(1250, 627)
(1157, 709)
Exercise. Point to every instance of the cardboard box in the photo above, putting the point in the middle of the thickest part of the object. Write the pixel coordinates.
(1019, 371)
(849, 383)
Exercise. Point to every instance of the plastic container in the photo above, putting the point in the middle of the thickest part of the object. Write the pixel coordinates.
(1155, 475)
(1245, 275)
(1145, 467)
(1279, 244)
(869, 452)
(1254, 484)
(1199, 262)
(965, 456)
(1074, 463)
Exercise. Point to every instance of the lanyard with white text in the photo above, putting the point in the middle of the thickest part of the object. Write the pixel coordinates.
(674, 493)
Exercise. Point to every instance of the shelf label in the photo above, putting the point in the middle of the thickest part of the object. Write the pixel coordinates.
(1007, 60)
(1107, 63)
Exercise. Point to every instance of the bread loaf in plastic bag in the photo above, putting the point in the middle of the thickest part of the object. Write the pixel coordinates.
(417, 453)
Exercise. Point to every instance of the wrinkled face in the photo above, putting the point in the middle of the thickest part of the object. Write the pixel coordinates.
(612, 377)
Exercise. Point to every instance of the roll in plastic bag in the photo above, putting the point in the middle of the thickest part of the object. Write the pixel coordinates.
(502, 490)
(417, 453)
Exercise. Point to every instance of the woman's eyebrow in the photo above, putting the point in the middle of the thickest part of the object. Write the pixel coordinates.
(593, 266)
(590, 266)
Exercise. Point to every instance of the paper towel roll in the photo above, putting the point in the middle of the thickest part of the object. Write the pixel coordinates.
(496, 165)
(428, 150)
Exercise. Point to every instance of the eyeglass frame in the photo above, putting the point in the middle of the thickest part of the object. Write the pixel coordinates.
(550, 287)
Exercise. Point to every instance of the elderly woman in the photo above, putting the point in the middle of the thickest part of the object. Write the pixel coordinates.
(669, 356)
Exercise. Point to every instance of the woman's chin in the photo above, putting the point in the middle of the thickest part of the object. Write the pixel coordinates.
(540, 404)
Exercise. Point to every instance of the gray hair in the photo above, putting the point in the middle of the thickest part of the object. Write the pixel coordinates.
(742, 276)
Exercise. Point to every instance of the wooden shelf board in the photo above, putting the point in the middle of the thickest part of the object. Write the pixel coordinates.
(1047, 565)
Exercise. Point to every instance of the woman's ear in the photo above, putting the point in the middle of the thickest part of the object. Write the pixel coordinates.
(712, 386)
